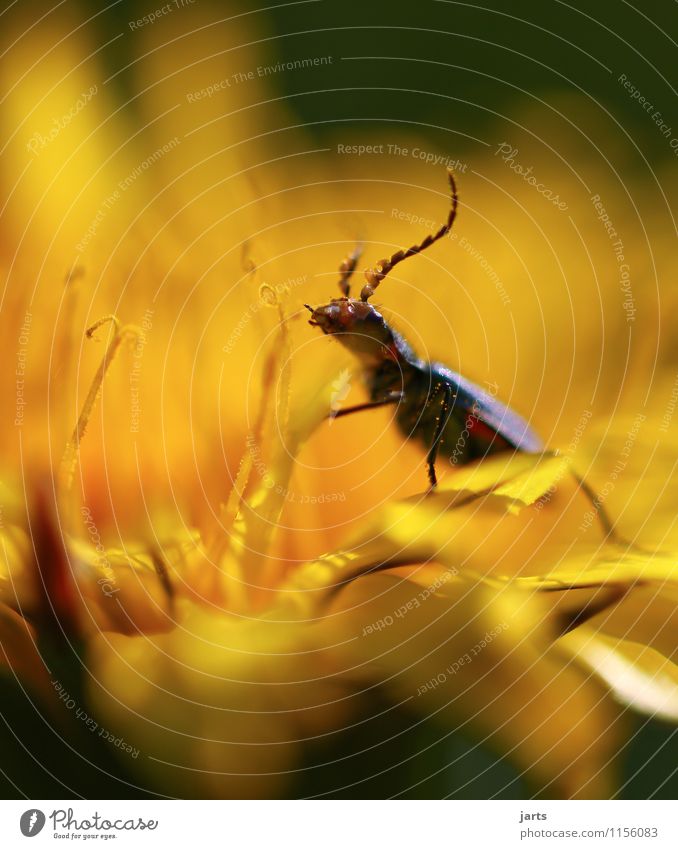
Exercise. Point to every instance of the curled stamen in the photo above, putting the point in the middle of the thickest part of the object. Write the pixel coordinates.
(97, 324)
(267, 295)
(63, 365)
(70, 455)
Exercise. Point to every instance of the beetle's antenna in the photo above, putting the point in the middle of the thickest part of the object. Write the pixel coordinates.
(374, 276)
(347, 268)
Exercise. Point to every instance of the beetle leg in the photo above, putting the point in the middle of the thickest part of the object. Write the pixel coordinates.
(608, 526)
(601, 512)
(391, 398)
(445, 409)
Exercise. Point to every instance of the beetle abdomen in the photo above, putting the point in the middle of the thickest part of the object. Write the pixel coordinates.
(476, 425)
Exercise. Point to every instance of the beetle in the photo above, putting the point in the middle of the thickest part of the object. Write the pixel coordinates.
(435, 405)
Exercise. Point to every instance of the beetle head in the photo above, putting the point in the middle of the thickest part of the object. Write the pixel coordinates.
(356, 324)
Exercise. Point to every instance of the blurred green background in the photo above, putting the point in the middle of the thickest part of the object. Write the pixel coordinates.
(444, 67)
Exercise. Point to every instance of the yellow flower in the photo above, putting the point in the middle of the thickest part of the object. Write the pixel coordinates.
(172, 488)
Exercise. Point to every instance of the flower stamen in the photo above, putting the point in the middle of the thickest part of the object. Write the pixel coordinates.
(70, 455)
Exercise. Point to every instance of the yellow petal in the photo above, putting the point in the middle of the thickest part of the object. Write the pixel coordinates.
(648, 615)
(640, 677)
(523, 478)
(610, 565)
(475, 657)
(220, 707)
(479, 535)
